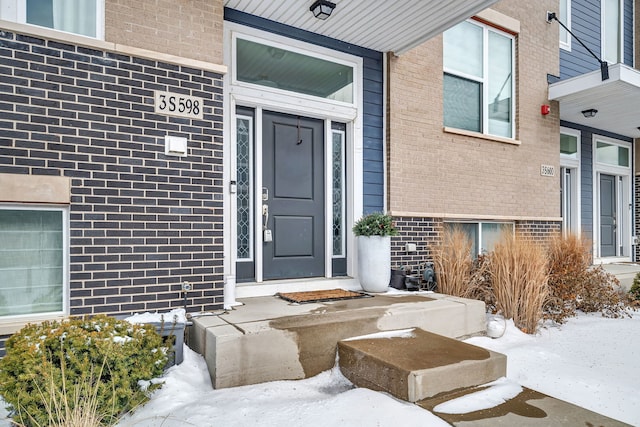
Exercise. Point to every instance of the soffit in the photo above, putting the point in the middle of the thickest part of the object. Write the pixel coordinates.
(616, 99)
(381, 25)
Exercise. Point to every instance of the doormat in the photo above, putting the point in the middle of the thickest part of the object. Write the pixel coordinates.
(321, 296)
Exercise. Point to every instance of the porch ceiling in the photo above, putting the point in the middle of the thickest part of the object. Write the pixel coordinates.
(616, 99)
(382, 25)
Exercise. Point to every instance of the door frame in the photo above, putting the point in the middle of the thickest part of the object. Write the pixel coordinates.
(574, 164)
(624, 201)
(264, 98)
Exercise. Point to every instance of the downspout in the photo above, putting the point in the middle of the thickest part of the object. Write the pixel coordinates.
(385, 135)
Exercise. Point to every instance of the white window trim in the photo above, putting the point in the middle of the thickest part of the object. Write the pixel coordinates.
(567, 45)
(625, 237)
(16, 11)
(9, 323)
(485, 74)
(574, 163)
(620, 52)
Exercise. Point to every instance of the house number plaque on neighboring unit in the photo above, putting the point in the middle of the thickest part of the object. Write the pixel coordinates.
(175, 104)
(547, 170)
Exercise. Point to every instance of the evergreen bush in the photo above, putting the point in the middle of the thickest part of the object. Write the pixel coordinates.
(98, 361)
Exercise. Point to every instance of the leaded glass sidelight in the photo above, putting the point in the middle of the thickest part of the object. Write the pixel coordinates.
(338, 181)
(244, 176)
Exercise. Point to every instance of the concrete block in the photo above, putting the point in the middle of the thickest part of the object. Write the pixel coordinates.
(419, 365)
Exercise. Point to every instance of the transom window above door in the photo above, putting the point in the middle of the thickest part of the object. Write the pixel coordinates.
(478, 79)
(284, 69)
(612, 154)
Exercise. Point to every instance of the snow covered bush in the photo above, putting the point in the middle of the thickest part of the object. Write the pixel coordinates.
(55, 371)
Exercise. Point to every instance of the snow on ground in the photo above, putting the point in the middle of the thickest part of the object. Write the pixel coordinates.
(590, 361)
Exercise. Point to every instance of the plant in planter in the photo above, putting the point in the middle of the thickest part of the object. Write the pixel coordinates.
(374, 233)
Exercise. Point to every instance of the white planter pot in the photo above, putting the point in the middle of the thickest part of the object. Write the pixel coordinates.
(374, 263)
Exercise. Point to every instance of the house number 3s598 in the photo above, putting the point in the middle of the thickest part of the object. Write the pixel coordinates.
(174, 104)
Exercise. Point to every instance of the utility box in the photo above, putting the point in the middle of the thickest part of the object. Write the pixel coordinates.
(172, 331)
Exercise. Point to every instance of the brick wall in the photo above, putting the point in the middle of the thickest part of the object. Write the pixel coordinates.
(423, 232)
(140, 222)
(190, 29)
(432, 172)
(538, 231)
(427, 233)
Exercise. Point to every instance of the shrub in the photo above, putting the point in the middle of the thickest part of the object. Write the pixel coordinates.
(576, 285)
(102, 357)
(634, 292)
(480, 286)
(519, 280)
(375, 224)
(452, 259)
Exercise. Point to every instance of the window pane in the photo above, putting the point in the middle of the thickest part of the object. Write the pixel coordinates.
(611, 24)
(73, 16)
(569, 145)
(471, 230)
(612, 154)
(500, 85)
(491, 233)
(338, 193)
(462, 49)
(31, 262)
(287, 70)
(244, 203)
(623, 156)
(564, 18)
(462, 103)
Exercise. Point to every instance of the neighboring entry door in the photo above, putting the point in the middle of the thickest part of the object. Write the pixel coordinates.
(293, 196)
(608, 240)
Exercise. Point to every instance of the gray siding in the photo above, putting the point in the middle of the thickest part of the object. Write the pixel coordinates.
(585, 24)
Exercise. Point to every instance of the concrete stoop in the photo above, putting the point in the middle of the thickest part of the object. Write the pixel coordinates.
(417, 364)
(268, 339)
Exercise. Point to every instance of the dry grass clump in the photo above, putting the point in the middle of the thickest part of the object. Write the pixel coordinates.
(519, 280)
(452, 259)
(530, 281)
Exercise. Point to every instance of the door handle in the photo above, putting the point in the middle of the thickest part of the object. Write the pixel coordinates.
(266, 233)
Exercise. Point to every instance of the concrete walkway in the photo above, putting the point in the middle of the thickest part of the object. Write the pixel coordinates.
(528, 409)
(624, 271)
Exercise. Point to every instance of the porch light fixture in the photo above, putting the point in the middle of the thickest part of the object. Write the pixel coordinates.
(322, 9)
(591, 112)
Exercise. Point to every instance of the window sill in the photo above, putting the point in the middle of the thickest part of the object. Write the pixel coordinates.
(12, 326)
(94, 43)
(481, 136)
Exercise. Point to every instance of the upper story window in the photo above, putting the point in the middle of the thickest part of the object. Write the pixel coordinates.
(564, 14)
(478, 79)
(82, 17)
(612, 31)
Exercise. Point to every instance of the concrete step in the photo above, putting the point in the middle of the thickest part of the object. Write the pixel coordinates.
(415, 364)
